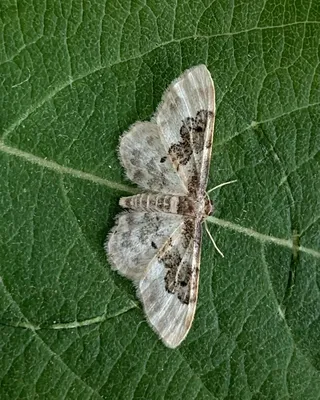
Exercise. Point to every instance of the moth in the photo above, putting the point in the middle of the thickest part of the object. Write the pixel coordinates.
(157, 242)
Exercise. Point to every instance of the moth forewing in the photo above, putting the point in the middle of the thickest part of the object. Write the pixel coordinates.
(157, 243)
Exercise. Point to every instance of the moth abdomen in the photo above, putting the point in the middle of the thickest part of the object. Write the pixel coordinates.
(172, 204)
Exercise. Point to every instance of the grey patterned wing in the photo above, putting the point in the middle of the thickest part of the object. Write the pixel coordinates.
(146, 162)
(169, 290)
(186, 119)
(136, 239)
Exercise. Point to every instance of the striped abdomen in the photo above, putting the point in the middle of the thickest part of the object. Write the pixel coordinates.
(159, 202)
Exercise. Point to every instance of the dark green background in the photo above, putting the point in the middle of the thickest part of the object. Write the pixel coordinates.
(74, 76)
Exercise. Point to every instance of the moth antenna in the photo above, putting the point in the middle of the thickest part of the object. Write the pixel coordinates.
(221, 184)
(210, 236)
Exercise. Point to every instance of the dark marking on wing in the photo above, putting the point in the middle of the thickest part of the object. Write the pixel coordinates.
(179, 282)
(180, 153)
(184, 282)
(171, 260)
(154, 245)
(193, 183)
(187, 232)
(163, 159)
(178, 273)
(192, 138)
(201, 121)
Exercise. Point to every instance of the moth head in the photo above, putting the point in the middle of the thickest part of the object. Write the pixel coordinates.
(208, 207)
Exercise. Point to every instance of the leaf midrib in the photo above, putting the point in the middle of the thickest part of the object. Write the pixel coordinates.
(60, 169)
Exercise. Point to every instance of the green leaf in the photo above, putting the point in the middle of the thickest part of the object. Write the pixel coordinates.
(74, 76)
